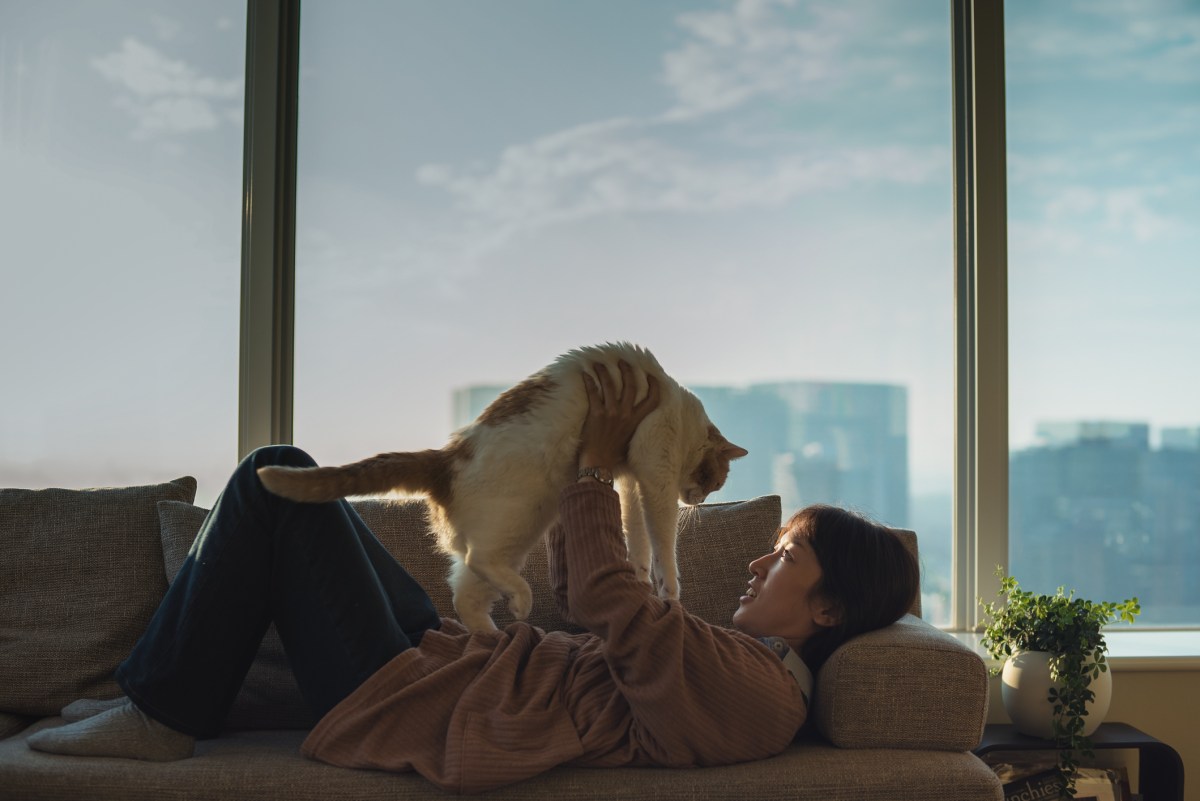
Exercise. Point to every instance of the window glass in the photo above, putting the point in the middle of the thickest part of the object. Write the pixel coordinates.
(759, 192)
(1104, 199)
(120, 183)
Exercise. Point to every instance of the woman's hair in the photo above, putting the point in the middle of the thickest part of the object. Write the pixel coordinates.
(867, 574)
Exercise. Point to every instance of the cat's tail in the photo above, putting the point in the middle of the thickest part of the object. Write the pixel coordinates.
(422, 472)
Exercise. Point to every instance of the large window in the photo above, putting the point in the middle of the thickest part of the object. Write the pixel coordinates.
(759, 192)
(120, 179)
(1104, 199)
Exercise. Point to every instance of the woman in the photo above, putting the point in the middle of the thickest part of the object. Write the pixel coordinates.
(397, 688)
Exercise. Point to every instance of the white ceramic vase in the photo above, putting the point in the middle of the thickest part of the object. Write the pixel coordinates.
(1025, 690)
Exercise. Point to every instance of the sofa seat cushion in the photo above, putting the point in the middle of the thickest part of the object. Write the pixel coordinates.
(254, 766)
(80, 577)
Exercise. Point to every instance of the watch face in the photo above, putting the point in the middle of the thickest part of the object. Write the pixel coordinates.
(601, 474)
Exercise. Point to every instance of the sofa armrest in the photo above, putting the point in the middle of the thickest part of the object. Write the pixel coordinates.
(909, 685)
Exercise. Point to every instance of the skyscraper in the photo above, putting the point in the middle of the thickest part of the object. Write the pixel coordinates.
(1095, 508)
(818, 442)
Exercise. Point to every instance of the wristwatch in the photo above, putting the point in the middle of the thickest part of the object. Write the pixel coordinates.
(601, 474)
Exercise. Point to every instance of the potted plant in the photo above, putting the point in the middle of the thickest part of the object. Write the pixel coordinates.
(1061, 637)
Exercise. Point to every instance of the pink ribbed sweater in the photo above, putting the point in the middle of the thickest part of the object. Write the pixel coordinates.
(651, 685)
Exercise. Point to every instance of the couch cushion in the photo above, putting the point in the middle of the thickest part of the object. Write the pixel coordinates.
(909, 685)
(909, 538)
(80, 577)
(264, 766)
(716, 542)
(11, 724)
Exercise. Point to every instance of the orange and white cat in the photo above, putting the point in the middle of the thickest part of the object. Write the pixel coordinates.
(493, 489)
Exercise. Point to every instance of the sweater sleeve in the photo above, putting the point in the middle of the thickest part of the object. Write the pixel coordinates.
(698, 694)
(556, 560)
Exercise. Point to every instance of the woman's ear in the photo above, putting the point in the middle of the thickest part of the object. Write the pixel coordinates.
(826, 614)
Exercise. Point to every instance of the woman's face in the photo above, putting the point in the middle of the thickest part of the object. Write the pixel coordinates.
(779, 601)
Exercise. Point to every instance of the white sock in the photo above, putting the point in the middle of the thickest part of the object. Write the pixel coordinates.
(123, 731)
(87, 707)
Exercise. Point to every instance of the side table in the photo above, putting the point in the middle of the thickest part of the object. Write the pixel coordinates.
(1160, 769)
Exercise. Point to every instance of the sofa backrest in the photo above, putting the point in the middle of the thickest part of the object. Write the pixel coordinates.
(715, 546)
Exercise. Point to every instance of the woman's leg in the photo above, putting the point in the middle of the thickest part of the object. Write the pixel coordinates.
(342, 605)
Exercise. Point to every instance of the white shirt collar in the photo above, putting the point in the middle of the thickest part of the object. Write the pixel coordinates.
(792, 663)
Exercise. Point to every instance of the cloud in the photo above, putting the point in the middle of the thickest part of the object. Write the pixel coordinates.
(165, 96)
(165, 27)
(782, 49)
(736, 55)
(1129, 209)
(677, 160)
(621, 166)
(1107, 40)
(1082, 219)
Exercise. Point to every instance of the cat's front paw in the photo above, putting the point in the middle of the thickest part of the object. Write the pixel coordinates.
(669, 590)
(477, 623)
(520, 604)
(643, 574)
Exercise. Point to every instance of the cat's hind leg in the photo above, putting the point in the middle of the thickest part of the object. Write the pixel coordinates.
(473, 597)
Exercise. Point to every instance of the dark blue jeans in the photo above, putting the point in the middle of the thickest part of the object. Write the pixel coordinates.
(342, 605)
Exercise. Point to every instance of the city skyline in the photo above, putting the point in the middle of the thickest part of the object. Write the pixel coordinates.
(1136, 504)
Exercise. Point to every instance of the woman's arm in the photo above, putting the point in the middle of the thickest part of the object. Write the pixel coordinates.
(594, 516)
(604, 442)
(700, 694)
(556, 559)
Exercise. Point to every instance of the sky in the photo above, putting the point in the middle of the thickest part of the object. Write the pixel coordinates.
(755, 190)
(713, 186)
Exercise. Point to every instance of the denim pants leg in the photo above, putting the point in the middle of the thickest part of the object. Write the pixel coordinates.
(343, 606)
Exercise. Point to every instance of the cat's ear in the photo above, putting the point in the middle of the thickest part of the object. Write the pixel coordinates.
(731, 451)
(723, 446)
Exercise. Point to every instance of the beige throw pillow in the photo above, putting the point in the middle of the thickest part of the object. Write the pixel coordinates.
(80, 577)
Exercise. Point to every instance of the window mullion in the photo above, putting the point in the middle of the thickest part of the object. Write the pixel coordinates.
(268, 224)
(981, 306)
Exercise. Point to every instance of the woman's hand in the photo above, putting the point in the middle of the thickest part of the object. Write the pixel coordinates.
(612, 416)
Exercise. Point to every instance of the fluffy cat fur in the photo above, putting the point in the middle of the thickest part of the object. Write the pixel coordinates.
(493, 489)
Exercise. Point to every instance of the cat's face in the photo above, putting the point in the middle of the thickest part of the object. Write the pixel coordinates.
(713, 468)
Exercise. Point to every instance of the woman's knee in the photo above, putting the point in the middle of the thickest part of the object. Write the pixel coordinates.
(275, 455)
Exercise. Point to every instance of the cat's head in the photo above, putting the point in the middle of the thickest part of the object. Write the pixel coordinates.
(710, 473)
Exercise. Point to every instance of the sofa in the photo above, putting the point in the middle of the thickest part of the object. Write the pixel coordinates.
(895, 712)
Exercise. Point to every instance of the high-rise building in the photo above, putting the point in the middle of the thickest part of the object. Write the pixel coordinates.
(1181, 439)
(1094, 507)
(818, 442)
